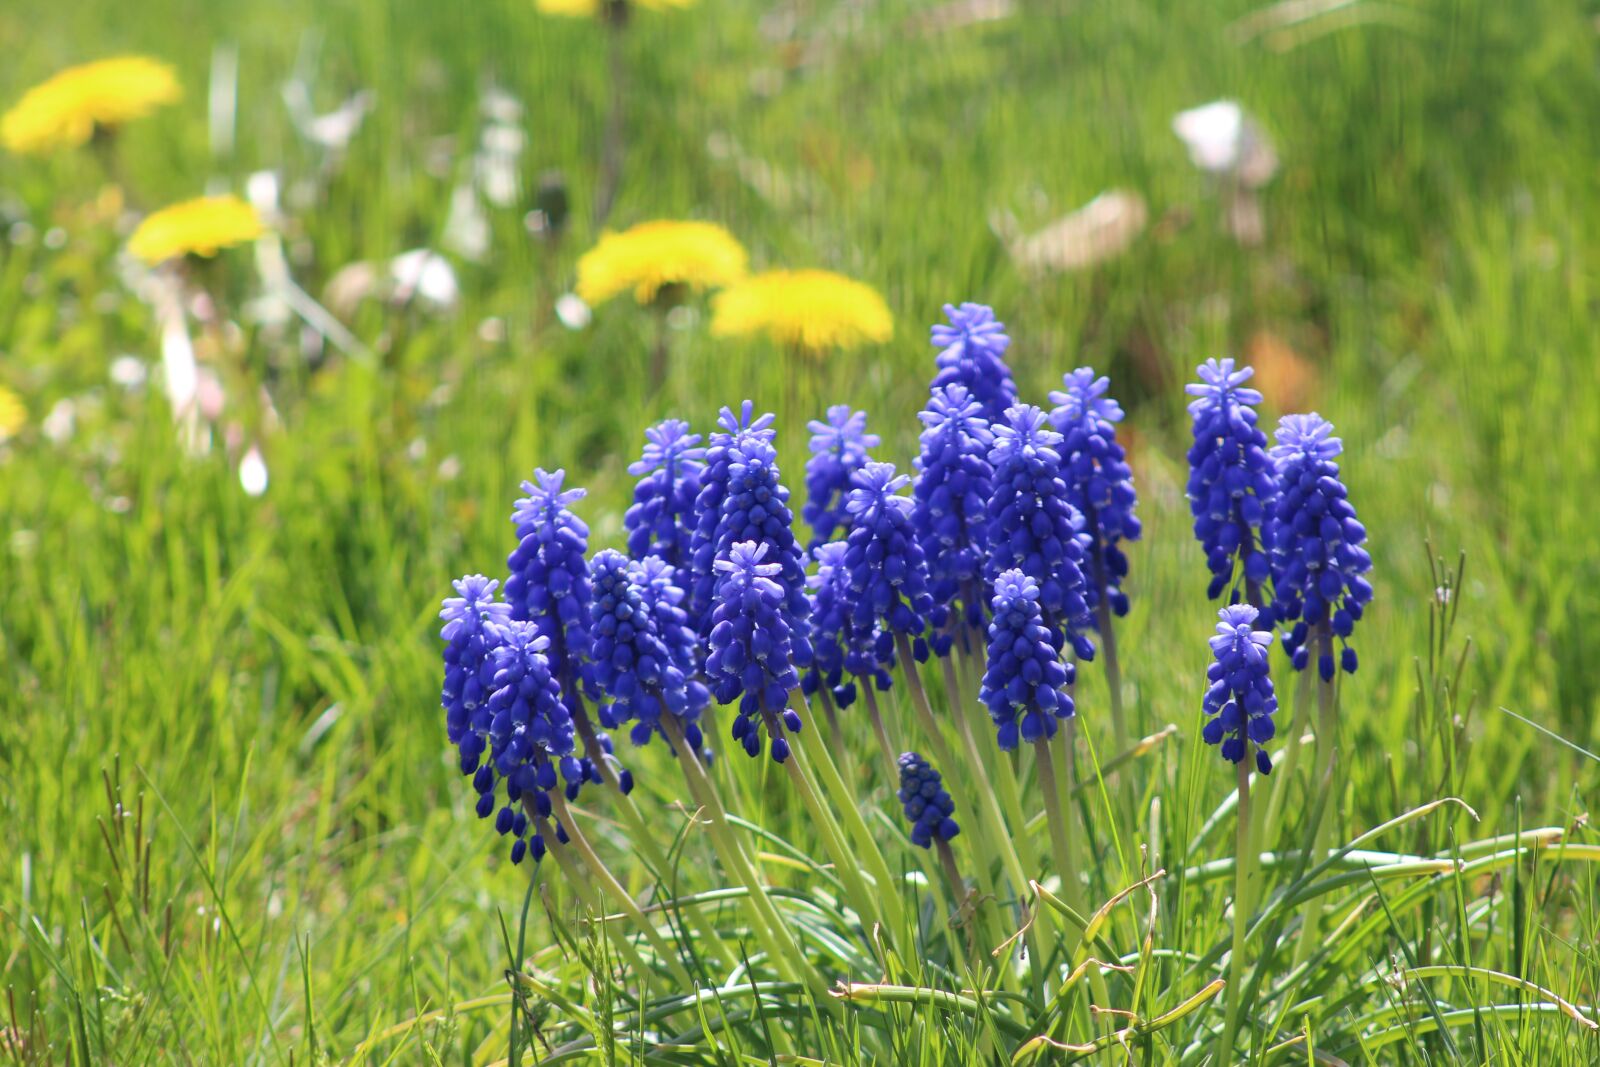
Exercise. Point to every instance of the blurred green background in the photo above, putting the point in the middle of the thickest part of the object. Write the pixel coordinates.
(264, 670)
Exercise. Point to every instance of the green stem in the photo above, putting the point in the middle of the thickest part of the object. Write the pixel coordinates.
(1323, 784)
(768, 927)
(609, 883)
(1243, 869)
(885, 746)
(579, 884)
(801, 747)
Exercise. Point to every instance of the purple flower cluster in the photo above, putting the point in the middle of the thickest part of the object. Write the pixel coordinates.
(631, 662)
(841, 651)
(838, 449)
(752, 651)
(951, 511)
(888, 575)
(662, 519)
(926, 802)
(1023, 685)
(972, 351)
(1239, 700)
(1099, 480)
(1318, 559)
(1232, 483)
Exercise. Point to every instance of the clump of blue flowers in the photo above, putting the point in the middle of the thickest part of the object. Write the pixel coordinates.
(1319, 561)
(474, 626)
(972, 349)
(1022, 685)
(661, 520)
(927, 804)
(1099, 480)
(1034, 528)
(752, 648)
(663, 598)
(1232, 482)
(841, 651)
(1240, 701)
(888, 575)
(732, 430)
(839, 447)
(951, 507)
(632, 664)
(549, 582)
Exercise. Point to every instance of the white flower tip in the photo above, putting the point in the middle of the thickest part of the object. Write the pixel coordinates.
(253, 472)
(572, 311)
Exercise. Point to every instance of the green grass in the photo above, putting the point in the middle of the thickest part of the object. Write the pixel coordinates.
(295, 870)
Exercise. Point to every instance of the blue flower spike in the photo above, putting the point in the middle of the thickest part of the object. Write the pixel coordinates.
(972, 349)
(662, 519)
(751, 647)
(1240, 700)
(1033, 526)
(1098, 478)
(1319, 562)
(839, 447)
(925, 801)
(1024, 680)
(888, 574)
(842, 653)
(632, 664)
(950, 514)
(1232, 482)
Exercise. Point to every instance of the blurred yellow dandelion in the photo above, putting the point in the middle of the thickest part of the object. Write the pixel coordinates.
(12, 414)
(654, 255)
(200, 227)
(808, 309)
(64, 111)
(583, 9)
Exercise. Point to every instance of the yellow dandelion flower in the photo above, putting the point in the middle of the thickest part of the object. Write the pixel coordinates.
(808, 309)
(12, 414)
(200, 227)
(64, 111)
(583, 9)
(653, 255)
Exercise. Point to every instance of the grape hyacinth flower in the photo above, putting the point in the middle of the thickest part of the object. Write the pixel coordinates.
(1318, 558)
(1240, 699)
(663, 599)
(662, 519)
(972, 354)
(1232, 484)
(701, 583)
(951, 499)
(751, 646)
(841, 651)
(549, 582)
(888, 574)
(1034, 528)
(755, 507)
(1099, 480)
(474, 624)
(631, 663)
(927, 805)
(1022, 685)
(838, 449)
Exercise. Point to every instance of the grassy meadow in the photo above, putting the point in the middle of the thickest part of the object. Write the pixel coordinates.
(234, 831)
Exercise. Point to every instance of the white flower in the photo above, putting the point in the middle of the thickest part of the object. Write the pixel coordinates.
(466, 228)
(426, 276)
(59, 424)
(572, 311)
(129, 372)
(1225, 141)
(253, 472)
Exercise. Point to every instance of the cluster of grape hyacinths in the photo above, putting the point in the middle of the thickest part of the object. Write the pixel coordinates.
(733, 431)
(752, 648)
(1024, 680)
(753, 506)
(1239, 700)
(888, 574)
(502, 702)
(1318, 559)
(951, 507)
(972, 351)
(662, 518)
(1232, 483)
(839, 447)
(663, 598)
(927, 804)
(1098, 478)
(1034, 528)
(841, 651)
(631, 663)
